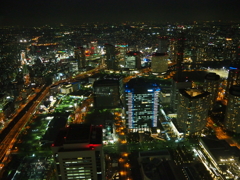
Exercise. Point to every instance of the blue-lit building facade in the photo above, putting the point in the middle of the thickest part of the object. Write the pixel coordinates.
(142, 105)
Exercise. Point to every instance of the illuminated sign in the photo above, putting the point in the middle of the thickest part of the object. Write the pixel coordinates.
(61, 52)
(121, 45)
(211, 43)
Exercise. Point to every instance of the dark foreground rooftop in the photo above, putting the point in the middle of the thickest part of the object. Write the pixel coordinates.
(79, 133)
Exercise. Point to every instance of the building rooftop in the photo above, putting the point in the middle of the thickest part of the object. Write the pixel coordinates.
(141, 85)
(196, 76)
(193, 93)
(54, 126)
(219, 148)
(79, 133)
(161, 168)
(109, 80)
(235, 90)
(113, 77)
(212, 76)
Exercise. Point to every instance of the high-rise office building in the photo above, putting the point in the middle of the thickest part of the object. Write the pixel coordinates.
(159, 62)
(108, 92)
(211, 84)
(173, 50)
(79, 54)
(233, 79)
(130, 62)
(179, 82)
(165, 96)
(234, 72)
(122, 49)
(93, 47)
(111, 60)
(78, 153)
(184, 83)
(192, 111)
(235, 61)
(163, 44)
(231, 49)
(142, 105)
(180, 54)
(133, 60)
(197, 53)
(73, 65)
(232, 114)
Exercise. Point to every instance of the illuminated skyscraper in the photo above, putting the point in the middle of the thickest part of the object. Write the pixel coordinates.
(122, 49)
(142, 105)
(211, 84)
(192, 111)
(197, 53)
(93, 47)
(232, 115)
(133, 60)
(159, 62)
(173, 50)
(78, 153)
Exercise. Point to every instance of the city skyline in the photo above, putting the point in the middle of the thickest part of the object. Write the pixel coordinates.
(164, 98)
(33, 13)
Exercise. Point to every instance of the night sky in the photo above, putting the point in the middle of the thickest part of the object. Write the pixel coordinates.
(38, 12)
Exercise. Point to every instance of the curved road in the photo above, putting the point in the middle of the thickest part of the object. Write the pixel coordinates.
(9, 140)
